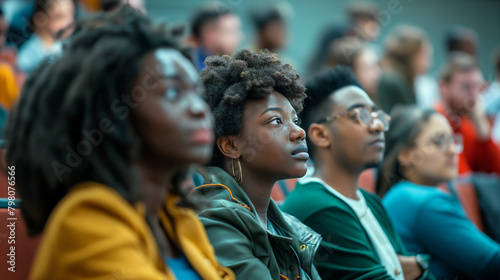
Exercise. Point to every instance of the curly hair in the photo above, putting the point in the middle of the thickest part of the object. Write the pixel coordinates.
(231, 81)
(63, 105)
(318, 89)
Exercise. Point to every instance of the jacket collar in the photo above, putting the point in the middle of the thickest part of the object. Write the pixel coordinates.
(218, 184)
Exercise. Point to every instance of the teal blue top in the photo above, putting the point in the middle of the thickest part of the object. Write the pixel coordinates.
(181, 268)
(432, 222)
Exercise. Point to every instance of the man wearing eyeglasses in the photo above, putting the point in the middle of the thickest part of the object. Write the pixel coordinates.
(345, 134)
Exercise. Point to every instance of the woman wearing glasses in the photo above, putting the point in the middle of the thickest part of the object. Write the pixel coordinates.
(345, 137)
(421, 154)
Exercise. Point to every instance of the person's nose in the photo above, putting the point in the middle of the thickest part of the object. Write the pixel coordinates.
(376, 126)
(297, 133)
(197, 106)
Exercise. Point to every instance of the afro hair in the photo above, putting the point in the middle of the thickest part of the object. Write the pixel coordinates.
(230, 81)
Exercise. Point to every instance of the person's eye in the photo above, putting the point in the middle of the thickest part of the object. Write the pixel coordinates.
(439, 141)
(276, 121)
(297, 122)
(173, 93)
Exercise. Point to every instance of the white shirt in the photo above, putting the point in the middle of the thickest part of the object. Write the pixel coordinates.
(383, 246)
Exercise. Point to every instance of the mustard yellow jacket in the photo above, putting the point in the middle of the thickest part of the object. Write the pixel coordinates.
(93, 233)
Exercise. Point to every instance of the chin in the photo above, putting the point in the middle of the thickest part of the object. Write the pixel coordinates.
(298, 172)
(202, 156)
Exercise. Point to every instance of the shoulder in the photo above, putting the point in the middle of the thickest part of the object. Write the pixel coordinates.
(229, 216)
(412, 193)
(92, 229)
(34, 43)
(310, 197)
(392, 78)
(92, 207)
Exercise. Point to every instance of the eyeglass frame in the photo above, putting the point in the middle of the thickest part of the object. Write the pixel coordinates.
(373, 115)
(457, 140)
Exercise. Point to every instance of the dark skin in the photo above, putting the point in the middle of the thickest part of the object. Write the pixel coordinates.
(345, 148)
(174, 125)
(272, 36)
(3, 31)
(270, 147)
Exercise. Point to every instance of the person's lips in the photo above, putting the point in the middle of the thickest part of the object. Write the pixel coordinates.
(202, 136)
(300, 152)
(377, 143)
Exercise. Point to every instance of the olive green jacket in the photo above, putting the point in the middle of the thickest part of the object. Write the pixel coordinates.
(242, 244)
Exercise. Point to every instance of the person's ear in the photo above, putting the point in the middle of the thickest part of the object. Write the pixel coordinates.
(40, 19)
(318, 135)
(228, 147)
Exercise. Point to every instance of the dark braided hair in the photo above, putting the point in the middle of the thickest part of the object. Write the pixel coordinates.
(56, 137)
(231, 81)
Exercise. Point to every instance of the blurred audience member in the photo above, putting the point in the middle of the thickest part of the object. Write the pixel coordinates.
(460, 85)
(422, 153)
(215, 30)
(110, 5)
(363, 20)
(270, 24)
(407, 55)
(346, 136)
(50, 22)
(363, 60)
(461, 39)
(332, 33)
(491, 99)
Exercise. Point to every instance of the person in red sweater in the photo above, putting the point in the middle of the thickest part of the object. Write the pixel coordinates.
(461, 82)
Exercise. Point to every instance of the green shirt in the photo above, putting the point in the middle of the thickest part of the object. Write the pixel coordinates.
(346, 251)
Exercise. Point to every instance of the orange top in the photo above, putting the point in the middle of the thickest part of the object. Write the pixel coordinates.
(8, 86)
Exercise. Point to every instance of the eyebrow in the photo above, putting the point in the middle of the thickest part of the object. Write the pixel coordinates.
(359, 105)
(272, 109)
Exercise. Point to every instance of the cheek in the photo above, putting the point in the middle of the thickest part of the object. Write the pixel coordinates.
(160, 125)
(265, 143)
(431, 164)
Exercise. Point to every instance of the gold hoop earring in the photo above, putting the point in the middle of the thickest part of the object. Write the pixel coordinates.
(240, 179)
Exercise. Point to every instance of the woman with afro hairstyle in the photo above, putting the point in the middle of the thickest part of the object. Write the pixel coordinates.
(98, 141)
(256, 101)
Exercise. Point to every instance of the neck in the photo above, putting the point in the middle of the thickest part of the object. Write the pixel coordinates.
(343, 180)
(258, 189)
(46, 38)
(421, 181)
(155, 180)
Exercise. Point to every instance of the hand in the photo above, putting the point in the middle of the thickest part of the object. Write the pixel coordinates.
(480, 121)
(411, 269)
